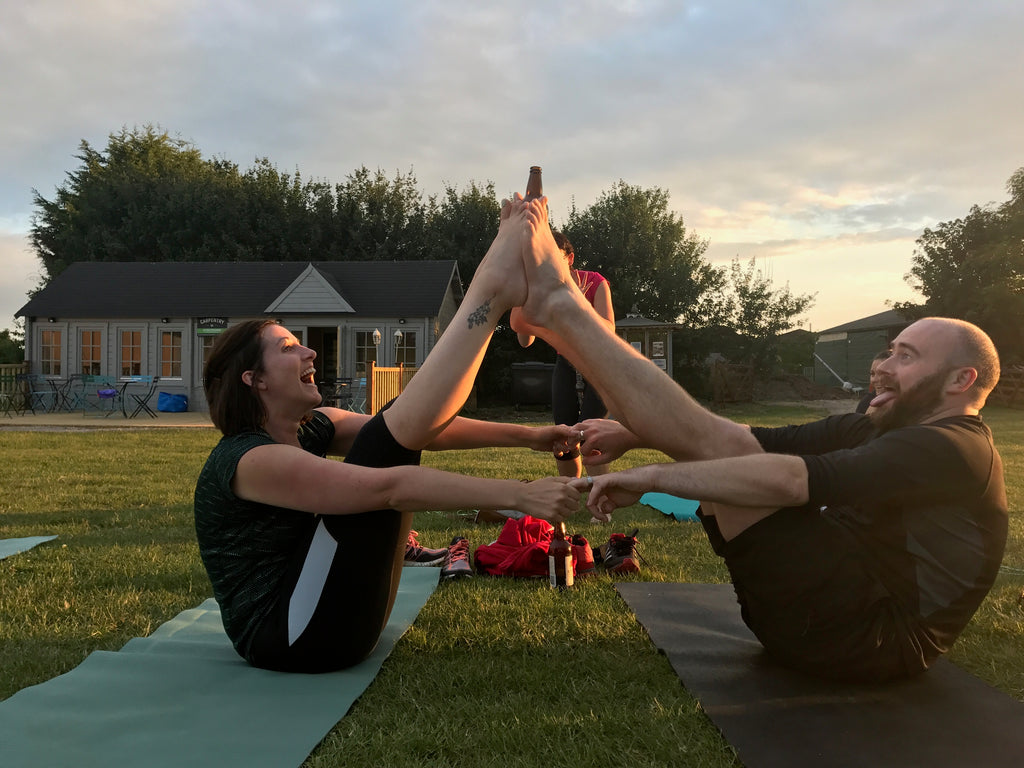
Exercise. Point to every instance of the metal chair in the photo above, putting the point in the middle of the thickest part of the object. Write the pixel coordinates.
(142, 399)
(40, 392)
(338, 394)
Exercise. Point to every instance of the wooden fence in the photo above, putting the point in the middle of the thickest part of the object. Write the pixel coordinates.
(1010, 389)
(385, 384)
(8, 377)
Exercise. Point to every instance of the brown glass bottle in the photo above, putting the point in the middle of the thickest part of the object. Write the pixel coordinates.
(560, 573)
(534, 186)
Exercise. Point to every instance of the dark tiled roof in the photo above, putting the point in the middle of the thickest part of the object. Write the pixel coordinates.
(236, 289)
(888, 319)
(635, 321)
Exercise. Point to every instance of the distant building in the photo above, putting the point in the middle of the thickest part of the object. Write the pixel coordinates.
(127, 319)
(844, 353)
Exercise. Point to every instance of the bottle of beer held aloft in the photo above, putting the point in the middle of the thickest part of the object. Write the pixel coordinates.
(560, 573)
(534, 187)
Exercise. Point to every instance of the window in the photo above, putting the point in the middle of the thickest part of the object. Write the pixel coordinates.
(131, 353)
(170, 354)
(91, 353)
(50, 353)
(405, 348)
(366, 351)
(207, 347)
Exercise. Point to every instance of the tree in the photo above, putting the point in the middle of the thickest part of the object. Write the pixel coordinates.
(973, 269)
(377, 218)
(654, 265)
(462, 225)
(759, 313)
(12, 346)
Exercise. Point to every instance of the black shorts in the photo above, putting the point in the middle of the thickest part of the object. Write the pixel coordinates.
(806, 590)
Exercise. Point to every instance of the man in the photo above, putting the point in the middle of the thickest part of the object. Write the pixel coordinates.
(859, 546)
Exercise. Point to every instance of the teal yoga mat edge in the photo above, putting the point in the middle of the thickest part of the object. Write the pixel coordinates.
(183, 697)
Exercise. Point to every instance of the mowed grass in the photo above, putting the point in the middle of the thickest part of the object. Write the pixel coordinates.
(493, 671)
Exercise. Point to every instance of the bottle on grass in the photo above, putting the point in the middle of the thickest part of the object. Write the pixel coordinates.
(560, 573)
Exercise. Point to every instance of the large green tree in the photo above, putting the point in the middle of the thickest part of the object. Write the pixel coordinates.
(973, 268)
(759, 312)
(655, 266)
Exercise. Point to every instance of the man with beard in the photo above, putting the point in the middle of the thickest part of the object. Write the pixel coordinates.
(859, 545)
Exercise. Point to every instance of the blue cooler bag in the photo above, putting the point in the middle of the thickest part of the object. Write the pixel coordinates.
(170, 403)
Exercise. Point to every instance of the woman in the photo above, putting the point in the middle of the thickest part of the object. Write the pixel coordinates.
(304, 552)
(567, 407)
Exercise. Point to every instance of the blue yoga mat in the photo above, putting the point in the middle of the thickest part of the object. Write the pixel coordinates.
(678, 508)
(10, 547)
(183, 697)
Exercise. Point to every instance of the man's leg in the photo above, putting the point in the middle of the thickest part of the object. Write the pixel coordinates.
(640, 394)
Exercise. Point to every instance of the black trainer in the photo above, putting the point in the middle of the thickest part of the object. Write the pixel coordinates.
(619, 555)
(418, 555)
(457, 562)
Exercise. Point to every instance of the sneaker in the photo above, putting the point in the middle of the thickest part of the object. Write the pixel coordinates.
(619, 555)
(417, 555)
(456, 562)
(582, 556)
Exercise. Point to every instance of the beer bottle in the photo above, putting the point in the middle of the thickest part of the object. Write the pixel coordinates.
(560, 573)
(534, 187)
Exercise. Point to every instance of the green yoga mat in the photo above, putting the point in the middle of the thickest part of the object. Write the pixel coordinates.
(775, 718)
(183, 697)
(10, 547)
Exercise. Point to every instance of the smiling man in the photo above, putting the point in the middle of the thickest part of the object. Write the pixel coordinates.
(859, 545)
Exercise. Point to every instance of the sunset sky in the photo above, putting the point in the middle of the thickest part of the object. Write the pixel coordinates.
(818, 138)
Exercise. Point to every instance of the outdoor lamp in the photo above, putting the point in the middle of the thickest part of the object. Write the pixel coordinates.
(376, 337)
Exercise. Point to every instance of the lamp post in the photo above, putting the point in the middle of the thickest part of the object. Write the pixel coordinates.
(398, 342)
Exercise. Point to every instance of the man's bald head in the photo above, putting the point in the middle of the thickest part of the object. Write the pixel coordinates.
(967, 346)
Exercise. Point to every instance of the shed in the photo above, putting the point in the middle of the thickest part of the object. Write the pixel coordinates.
(844, 353)
(129, 319)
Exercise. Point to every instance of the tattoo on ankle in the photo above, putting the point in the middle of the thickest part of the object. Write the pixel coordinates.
(479, 315)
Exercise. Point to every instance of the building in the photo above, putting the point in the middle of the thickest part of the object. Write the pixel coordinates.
(125, 319)
(843, 354)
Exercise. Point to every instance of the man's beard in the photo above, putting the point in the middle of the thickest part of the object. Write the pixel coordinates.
(911, 406)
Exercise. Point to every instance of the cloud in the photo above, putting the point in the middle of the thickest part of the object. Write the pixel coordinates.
(767, 121)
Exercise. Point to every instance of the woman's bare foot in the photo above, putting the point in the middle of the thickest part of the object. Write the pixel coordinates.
(500, 279)
(551, 289)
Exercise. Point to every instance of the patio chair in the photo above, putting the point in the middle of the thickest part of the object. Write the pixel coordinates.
(40, 392)
(142, 398)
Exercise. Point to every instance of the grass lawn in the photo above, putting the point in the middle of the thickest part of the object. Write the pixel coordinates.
(493, 671)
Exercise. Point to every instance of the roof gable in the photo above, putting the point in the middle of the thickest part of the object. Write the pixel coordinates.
(310, 292)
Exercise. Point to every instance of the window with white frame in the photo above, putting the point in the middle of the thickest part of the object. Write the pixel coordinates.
(90, 353)
(131, 353)
(50, 352)
(170, 354)
(366, 351)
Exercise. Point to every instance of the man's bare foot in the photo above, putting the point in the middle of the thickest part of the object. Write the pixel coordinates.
(551, 288)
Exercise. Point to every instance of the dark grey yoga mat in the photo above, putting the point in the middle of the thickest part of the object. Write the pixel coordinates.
(777, 718)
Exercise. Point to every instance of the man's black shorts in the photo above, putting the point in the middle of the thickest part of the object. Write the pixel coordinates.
(806, 590)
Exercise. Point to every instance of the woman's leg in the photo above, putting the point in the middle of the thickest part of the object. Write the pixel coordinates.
(565, 409)
(439, 389)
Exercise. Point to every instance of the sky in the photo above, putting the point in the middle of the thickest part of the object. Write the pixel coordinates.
(818, 138)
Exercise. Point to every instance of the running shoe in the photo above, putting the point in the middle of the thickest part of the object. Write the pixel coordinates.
(619, 555)
(457, 563)
(419, 555)
(582, 556)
